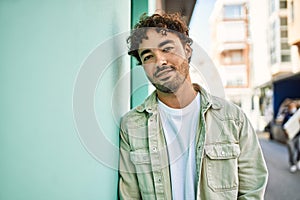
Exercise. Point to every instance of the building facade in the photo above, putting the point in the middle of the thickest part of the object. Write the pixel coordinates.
(275, 40)
(283, 37)
(230, 49)
(294, 29)
(280, 59)
(255, 45)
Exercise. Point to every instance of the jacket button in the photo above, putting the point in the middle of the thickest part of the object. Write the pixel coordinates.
(154, 149)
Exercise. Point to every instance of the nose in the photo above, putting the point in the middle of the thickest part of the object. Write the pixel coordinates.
(161, 59)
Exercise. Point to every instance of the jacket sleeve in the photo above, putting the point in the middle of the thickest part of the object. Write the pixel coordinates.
(253, 174)
(128, 183)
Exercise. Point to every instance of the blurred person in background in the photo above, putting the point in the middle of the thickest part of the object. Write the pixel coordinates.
(293, 143)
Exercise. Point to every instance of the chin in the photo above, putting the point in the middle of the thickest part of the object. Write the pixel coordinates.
(167, 88)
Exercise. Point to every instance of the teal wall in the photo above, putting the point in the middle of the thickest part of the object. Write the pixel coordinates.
(139, 82)
(43, 45)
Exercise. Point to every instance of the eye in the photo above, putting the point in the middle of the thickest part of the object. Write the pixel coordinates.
(147, 58)
(167, 49)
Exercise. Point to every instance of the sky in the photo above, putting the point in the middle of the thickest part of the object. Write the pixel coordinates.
(199, 25)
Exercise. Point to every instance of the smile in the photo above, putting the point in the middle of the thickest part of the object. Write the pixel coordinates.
(164, 74)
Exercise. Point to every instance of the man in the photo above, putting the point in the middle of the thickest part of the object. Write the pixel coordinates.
(183, 143)
(293, 142)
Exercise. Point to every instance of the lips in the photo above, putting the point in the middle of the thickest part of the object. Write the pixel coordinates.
(163, 72)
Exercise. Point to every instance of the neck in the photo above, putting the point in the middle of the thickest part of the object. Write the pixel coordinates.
(179, 99)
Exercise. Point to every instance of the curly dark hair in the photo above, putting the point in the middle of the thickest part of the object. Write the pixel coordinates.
(167, 22)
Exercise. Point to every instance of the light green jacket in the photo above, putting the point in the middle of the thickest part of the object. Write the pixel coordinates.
(229, 160)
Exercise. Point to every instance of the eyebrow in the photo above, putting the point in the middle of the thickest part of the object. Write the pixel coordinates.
(165, 42)
(159, 46)
(144, 52)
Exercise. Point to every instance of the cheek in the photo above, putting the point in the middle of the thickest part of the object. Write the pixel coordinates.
(148, 68)
(177, 59)
(180, 62)
(184, 67)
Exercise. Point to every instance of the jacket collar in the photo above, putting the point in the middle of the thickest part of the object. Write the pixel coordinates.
(207, 101)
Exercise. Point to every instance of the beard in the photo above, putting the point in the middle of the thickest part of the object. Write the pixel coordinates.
(173, 84)
(170, 86)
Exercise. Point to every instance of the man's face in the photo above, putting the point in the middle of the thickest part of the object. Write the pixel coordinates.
(165, 60)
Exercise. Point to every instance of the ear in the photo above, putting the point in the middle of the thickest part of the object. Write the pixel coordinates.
(188, 51)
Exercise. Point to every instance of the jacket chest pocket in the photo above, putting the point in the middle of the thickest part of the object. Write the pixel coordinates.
(221, 162)
(142, 162)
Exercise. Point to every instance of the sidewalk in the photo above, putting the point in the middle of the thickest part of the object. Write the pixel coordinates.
(282, 184)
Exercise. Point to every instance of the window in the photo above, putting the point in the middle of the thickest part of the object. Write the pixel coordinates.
(283, 4)
(285, 46)
(232, 57)
(272, 6)
(235, 83)
(237, 56)
(285, 58)
(283, 21)
(273, 59)
(272, 44)
(284, 33)
(233, 12)
(235, 75)
(292, 14)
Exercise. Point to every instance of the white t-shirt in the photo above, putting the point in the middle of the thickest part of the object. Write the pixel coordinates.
(180, 126)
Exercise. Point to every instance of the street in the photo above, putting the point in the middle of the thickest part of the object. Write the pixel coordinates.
(282, 184)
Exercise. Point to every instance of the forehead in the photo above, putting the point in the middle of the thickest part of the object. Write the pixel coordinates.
(155, 39)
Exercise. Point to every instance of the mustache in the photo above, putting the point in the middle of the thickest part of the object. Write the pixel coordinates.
(159, 69)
